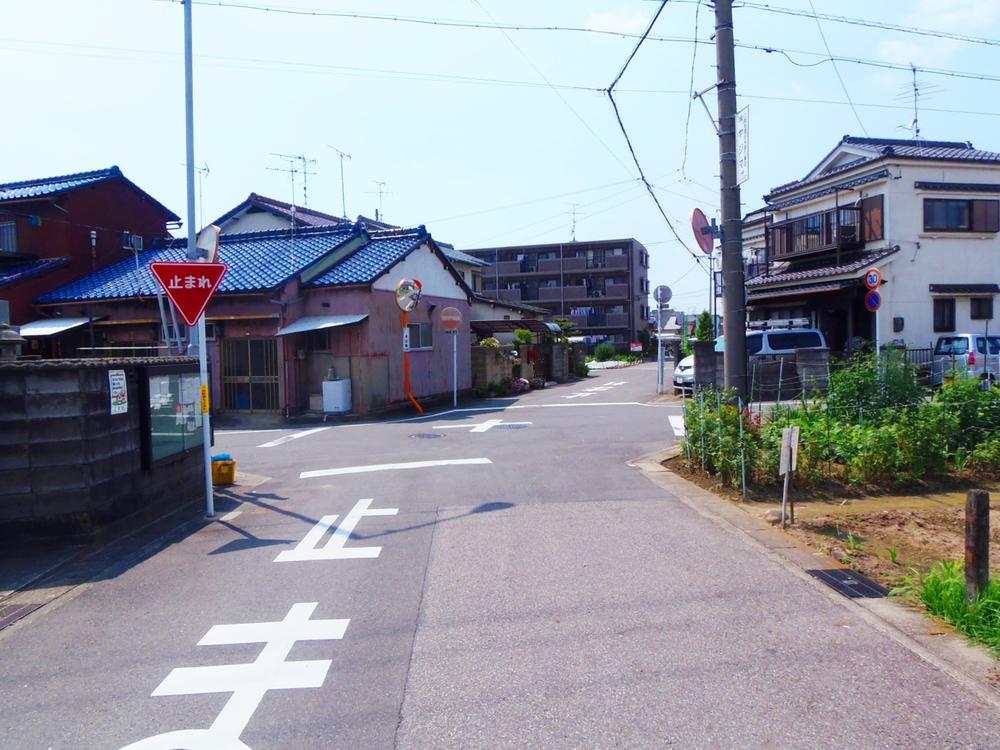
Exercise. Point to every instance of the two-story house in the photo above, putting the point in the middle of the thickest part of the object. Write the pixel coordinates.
(926, 214)
(56, 229)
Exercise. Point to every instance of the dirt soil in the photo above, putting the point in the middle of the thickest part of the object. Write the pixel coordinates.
(883, 536)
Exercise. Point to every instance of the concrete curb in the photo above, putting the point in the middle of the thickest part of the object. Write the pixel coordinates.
(938, 644)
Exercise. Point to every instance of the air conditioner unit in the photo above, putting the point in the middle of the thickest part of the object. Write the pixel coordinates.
(132, 242)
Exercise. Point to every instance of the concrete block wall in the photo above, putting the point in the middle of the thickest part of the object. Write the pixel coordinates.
(67, 465)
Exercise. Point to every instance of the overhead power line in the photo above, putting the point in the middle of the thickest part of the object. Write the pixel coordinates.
(836, 70)
(936, 33)
(628, 140)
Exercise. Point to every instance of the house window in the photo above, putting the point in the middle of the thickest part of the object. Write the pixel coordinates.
(944, 315)
(871, 218)
(981, 308)
(421, 336)
(8, 237)
(318, 341)
(959, 215)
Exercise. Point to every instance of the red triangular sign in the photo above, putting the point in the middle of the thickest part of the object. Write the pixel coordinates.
(189, 285)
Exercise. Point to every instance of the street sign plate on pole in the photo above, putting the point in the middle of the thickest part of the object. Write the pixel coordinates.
(451, 319)
(704, 234)
(873, 300)
(662, 295)
(742, 124)
(189, 285)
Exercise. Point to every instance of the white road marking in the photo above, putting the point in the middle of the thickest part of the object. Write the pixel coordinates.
(334, 549)
(248, 683)
(677, 423)
(475, 409)
(481, 427)
(248, 432)
(293, 436)
(231, 515)
(391, 467)
(582, 394)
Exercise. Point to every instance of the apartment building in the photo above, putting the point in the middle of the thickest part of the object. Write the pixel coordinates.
(602, 286)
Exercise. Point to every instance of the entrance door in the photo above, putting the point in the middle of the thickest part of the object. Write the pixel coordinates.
(250, 375)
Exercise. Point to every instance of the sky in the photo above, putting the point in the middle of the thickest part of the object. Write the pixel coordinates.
(487, 137)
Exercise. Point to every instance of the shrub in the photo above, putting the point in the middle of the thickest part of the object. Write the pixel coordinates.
(523, 336)
(867, 386)
(490, 342)
(982, 460)
(537, 382)
(705, 329)
(978, 411)
(582, 370)
(712, 429)
(604, 351)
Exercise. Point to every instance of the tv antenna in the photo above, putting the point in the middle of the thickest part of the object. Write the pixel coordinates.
(572, 231)
(292, 169)
(203, 171)
(914, 91)
(381, 192)
(343, 196)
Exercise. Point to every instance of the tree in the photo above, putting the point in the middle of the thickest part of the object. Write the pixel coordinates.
(646, 340)
(705, 328)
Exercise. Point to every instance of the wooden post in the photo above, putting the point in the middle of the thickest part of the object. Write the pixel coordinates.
(977, 543)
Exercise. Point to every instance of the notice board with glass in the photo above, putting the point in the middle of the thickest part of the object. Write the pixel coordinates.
(174, 413)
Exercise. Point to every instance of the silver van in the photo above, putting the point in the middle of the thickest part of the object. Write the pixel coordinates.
(966, 355)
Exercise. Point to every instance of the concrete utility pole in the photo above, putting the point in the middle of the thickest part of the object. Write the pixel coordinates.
(734, 294)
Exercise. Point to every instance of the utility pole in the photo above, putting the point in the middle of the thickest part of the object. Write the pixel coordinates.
(734, 293)
(343, 196)
(193, 254)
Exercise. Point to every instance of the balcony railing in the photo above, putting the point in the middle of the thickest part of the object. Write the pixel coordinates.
(833, 230)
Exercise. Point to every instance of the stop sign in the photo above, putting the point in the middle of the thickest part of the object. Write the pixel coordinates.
(451, 318)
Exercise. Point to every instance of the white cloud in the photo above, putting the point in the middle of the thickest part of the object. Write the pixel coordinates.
(622, 21)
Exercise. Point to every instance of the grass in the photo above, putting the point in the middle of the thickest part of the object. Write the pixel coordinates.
(942, 591)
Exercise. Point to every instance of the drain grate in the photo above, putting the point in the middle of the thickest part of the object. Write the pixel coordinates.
(510, 427)
(426, 435)
(11, 613)
(850, 584)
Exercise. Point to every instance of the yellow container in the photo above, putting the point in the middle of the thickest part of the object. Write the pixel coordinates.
(223, 472)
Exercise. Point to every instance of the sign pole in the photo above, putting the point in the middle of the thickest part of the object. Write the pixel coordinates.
(454, 369)
(192, 251)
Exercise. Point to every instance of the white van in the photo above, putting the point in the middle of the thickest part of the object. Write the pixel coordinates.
(772, 337)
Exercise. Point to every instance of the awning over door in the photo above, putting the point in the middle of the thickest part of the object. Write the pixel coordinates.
(319, 322)
(52, 326)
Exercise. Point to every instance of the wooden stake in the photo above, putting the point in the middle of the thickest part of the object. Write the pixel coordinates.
(977, 543)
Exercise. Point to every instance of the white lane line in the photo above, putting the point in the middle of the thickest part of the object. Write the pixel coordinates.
(677, 423)
(293, 436)
(584, 394)
(392, 467)
(473, 409)
(249, 432)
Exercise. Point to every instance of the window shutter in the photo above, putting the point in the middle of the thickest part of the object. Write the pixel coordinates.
(871, 218)
(944, 315)
(985, 216)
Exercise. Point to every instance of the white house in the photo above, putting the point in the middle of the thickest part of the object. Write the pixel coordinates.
(926, 214)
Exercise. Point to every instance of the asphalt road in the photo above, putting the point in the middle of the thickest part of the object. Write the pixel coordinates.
(500, 584)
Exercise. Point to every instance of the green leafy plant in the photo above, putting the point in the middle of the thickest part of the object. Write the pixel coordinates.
(582, 370)
(942, 592)
(604, 351)
(490, 342)
(705, 328)
(523, 336)
(893, 555)
(686, 350)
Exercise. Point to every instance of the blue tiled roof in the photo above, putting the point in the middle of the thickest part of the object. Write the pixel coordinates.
(383, 251)
(257, 261)
(15, 272)
(51, 185)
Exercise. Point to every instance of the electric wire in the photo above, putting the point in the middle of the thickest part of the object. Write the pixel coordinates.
(556, 91)
(628, 140)
(690, 102)
(836, 70)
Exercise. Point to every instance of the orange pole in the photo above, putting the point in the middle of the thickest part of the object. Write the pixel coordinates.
(406, 368)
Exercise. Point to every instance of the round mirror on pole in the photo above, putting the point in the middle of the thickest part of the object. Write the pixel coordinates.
(662, 295)
(408, 294)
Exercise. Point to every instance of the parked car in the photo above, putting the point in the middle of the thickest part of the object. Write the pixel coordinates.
(967, 355)
(760, 343)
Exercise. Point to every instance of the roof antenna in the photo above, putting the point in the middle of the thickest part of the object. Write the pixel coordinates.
(572, 231)
(292, 170)
(381, 192)
(915, 122)
(343, 196)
